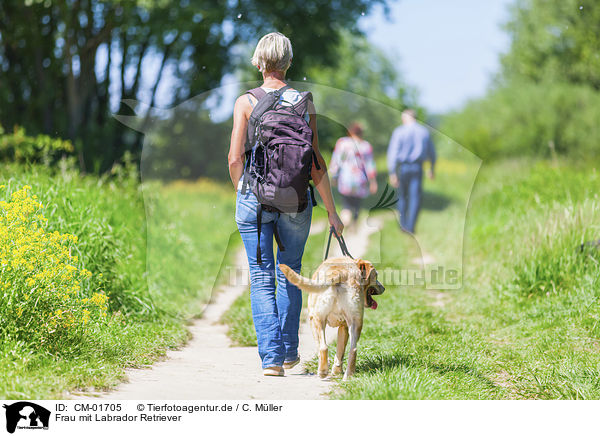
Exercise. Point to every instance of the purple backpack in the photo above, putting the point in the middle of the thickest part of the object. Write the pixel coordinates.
(279, 156)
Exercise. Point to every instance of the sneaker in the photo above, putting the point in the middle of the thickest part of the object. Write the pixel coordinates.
(291, 363)
(273, 371)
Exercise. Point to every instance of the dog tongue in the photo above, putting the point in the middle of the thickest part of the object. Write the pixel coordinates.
(374, 305)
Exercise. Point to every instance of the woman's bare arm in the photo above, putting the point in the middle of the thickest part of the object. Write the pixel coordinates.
(241, 113)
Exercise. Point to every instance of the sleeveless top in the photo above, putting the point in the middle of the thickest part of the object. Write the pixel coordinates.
(288, 98)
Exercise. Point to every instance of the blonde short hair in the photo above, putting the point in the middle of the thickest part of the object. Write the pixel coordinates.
(273, 53)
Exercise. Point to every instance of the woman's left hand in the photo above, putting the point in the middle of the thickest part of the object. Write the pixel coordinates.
(336, 222)
(373, 187)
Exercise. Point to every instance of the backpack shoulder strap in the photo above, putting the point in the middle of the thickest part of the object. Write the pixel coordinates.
(303, 104)
(307, 94)
(265, 102)
(257, 93)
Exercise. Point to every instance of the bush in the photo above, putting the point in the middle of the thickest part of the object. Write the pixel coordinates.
(47, 294)
(153, 287)
(529, 119)
(107, 214)
(18, 147)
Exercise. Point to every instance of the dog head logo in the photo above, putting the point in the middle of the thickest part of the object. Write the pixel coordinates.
(26, 415)
(191, 140)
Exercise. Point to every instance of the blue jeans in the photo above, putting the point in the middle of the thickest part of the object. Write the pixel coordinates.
(410, 177)
(275, 308)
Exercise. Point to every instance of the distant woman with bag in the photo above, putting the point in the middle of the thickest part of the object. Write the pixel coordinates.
(275, 307)
(352, 169)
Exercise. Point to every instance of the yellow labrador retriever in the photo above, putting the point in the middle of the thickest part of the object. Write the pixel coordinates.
(339, 291)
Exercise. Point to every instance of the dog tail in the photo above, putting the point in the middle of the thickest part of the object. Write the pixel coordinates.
(304, 283)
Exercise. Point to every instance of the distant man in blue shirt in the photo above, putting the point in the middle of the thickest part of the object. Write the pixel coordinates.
(410, 146)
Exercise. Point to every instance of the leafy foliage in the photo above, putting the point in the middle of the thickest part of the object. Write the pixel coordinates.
(48, 297)
(547, 98)
(187, 144)
(19, 147)
(66, 65)
(365, 87)
(362, 69)
(529, 119)
(309, 24)
(554, 40)
(152, 259)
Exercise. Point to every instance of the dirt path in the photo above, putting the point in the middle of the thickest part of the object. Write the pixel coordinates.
(209, 368)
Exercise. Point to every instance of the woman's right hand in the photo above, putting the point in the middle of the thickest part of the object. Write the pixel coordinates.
(336, 222)
(373, 187)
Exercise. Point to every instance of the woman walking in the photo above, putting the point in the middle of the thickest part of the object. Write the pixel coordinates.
(353, 171)
(275, 307)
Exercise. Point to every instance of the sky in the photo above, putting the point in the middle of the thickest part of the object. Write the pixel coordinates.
(448, 49)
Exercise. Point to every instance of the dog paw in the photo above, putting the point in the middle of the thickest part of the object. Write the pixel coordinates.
(336, 370)
(323, 374)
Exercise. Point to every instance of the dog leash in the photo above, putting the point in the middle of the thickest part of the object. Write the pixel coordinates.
(340, 240)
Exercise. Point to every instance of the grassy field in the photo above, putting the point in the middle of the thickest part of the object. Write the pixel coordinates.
(525, 324)
(157, 274)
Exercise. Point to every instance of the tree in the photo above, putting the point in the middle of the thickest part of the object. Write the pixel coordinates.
(65, 63)
(546, 100)
(363, 70)
(364, 86)
(554, 40)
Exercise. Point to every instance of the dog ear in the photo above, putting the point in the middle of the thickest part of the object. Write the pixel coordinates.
(365, 267)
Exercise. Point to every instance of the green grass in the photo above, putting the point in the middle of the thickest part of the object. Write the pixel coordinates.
(191, 236)
(158, 274)
(525, 323)
(238, 318)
